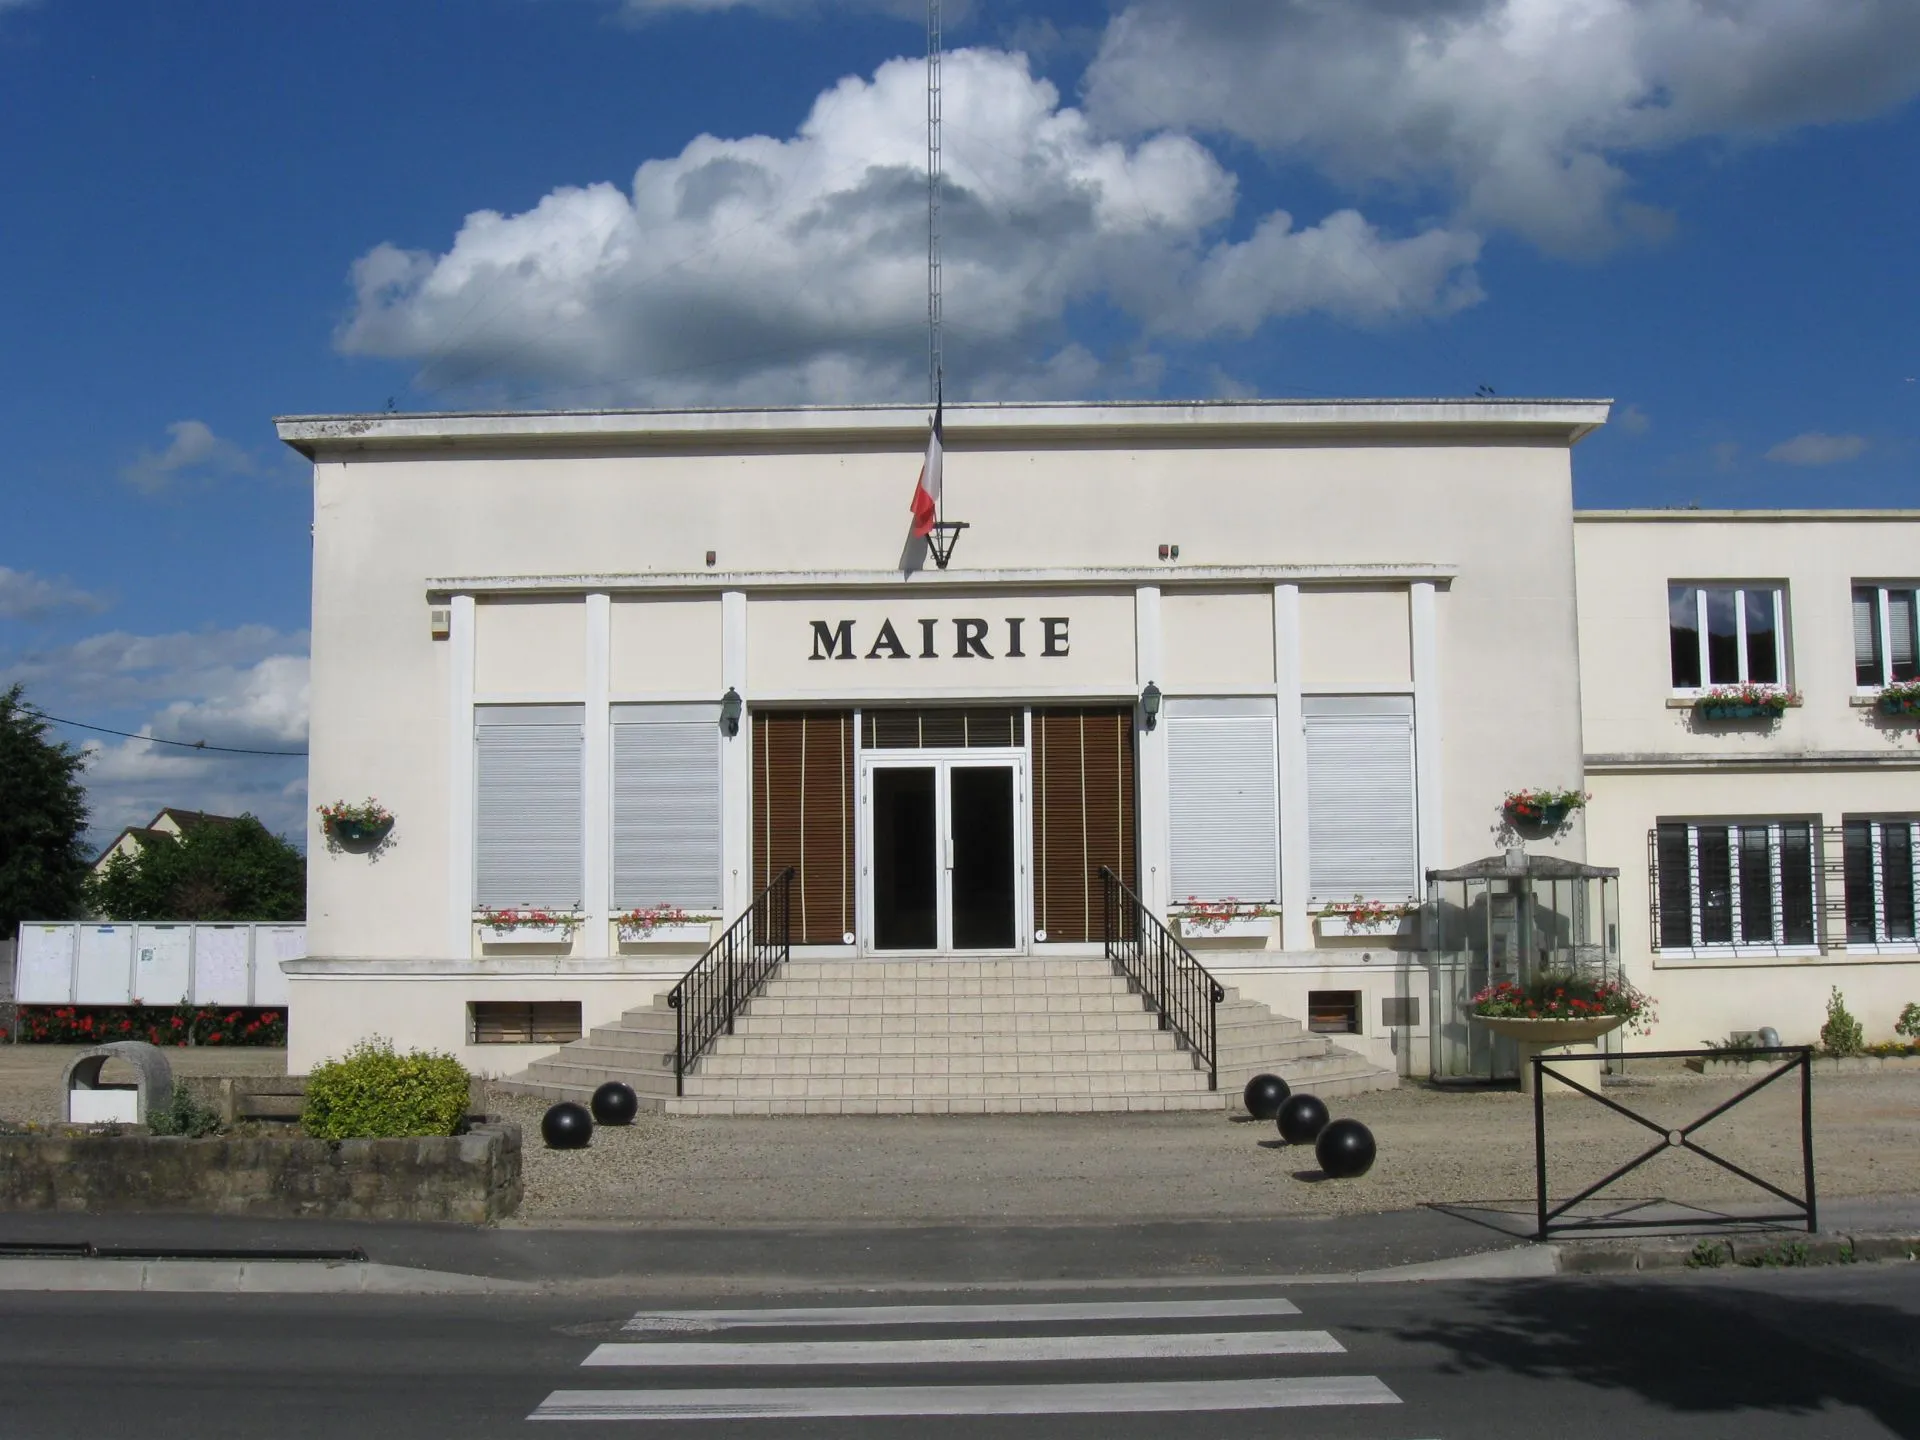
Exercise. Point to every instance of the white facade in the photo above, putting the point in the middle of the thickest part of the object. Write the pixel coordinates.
(1361, 623)
(1766, 941)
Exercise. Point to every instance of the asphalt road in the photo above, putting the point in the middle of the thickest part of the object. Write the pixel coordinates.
(1829, 1353)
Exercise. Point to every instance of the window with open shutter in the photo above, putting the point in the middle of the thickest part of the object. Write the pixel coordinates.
(803, 816)
(1224, 800)
(1361, 835)
(666, 806)
(1083, 815)
(528, 822)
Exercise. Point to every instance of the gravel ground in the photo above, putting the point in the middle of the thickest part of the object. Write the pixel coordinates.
(1435, 1147)
(30, 1074)
(1446, 1147)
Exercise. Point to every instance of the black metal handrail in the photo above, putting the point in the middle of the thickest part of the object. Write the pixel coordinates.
(730, 974)
(1175, 985)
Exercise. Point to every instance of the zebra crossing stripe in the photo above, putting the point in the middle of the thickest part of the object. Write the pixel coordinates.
(985, 1350)
(976, 1314)
(851, 1402)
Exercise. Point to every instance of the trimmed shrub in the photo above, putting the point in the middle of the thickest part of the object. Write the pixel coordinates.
(373, 1093)
(1842, 1034)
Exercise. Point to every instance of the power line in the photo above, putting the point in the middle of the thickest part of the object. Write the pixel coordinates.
(156, 740)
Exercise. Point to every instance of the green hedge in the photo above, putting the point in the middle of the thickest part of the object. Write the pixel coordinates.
(373, 1093)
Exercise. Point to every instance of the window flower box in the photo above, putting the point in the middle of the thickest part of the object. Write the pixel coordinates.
(1227, 919)
(1744, 702)
(1899, 699)
(1363, 917)
(688, 930)
(526, 927)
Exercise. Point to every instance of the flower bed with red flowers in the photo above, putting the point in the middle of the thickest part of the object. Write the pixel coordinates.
(156, 1024)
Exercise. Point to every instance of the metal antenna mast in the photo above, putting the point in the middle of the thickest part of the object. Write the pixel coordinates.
(934, 357)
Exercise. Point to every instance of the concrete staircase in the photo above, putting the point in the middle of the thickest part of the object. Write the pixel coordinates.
(947, 1037)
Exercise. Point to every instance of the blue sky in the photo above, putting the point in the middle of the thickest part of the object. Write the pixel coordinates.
(219, 212)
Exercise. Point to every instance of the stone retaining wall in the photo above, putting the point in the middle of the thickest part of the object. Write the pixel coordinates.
(471, 1179)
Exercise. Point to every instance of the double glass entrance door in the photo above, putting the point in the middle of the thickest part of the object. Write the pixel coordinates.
(943, 862)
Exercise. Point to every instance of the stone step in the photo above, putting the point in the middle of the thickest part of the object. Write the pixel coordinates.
(799, 1067)
(940, 969)
(934, 1023)
(1115, 1102)
(1041, 1043)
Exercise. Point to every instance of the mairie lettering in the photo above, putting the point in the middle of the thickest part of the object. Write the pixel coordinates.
(973, 638)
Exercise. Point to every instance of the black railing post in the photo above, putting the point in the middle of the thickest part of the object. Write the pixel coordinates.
(1539, 1147)
(1806, 1134)
(1178, 989)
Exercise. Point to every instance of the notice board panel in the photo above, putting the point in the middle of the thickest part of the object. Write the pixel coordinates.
(162, 964)
(271, 945)
(220, 954)
(104, 972)
(44, 971)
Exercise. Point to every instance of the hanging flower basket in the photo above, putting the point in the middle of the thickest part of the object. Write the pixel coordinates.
(1541, 809)
(350, 824)
(1744, 702)
(1900, 699)
(526, 927)
(664, 925)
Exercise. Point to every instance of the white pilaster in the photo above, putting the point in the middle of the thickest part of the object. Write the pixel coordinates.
(1156, 840)
(1426, 723)
(460, 778)
(1290, 739)
(598, 776)
(736, 760)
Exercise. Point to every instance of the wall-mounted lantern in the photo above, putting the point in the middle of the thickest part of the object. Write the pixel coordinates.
(1150, 704)
(730, 707)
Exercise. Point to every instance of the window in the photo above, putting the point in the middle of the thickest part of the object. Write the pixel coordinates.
(528, 820)
(1880, 880)
(1224, 800)
(1726, 635)
(1360, 797)
(1749, 883)
(523, 1022)
(666, 806)
(1886, 635)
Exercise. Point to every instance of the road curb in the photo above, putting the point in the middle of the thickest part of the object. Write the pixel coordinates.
(245, 1277)
(1714, 1252)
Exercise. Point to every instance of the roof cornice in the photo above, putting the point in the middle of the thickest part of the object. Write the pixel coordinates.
(1562, 421)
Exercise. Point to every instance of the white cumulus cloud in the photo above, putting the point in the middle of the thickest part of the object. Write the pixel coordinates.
(1815, 448)
(1522, 113)
(191, 448)
(27, 596)
(758, 269)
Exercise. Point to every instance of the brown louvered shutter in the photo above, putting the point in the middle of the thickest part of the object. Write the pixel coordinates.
(803, 815)
(1083, 815)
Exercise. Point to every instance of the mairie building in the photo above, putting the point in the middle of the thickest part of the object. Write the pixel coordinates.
(1189, 763)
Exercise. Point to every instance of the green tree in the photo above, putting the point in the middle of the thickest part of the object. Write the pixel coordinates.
(43, 817)
(234, 871)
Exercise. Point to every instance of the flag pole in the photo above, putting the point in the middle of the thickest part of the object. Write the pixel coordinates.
(935, 359)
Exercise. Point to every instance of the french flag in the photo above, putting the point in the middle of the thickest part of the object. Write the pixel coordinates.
(926, 494)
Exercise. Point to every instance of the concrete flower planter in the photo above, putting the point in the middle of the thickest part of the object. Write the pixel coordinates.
(549, 935)
(1240, 927)
(1340, 927)
(695, 932)
(1535, 1037)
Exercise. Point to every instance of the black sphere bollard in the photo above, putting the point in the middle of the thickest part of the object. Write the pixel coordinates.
(1302, 1117)
(1264, 1095)
(566, 1126)
(615, 1104)
(1345, 1149)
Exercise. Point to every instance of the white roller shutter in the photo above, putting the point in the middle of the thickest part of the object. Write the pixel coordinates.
(1223, 800)
(528, 819)
(666, 806)
(1361, 832)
